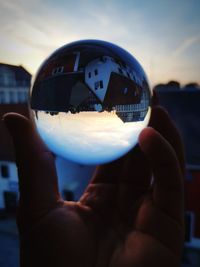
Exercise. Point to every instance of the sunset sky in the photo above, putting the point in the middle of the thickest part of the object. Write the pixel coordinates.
(163, 35)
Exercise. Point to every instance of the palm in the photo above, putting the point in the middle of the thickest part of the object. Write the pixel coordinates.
(103, 240)
(119, 221)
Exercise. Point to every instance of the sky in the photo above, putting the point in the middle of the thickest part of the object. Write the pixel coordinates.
(164, 35)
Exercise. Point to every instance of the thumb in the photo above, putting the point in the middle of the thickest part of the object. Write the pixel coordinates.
(36, 168)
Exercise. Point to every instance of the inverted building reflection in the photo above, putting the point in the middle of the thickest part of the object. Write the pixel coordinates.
(64, 93)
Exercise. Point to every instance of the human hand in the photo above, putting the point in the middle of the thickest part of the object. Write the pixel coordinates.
(122, 219)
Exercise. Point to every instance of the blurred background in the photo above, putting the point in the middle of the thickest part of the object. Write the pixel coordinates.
(165, 38)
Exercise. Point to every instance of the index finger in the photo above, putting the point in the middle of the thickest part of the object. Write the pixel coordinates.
(37, 173)
(168, 183)
(161, 121)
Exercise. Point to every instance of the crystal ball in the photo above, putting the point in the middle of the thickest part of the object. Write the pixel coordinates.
(90, 100)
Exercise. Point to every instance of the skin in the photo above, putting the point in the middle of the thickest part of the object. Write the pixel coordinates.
(130, 215)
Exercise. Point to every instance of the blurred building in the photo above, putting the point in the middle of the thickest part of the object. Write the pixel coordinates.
(182, 103)
(14, 86)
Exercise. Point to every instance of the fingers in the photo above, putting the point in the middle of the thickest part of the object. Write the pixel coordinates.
(100, 194)
(168, 187)
(136, 169)
(129, 176)
(161, 121)
(36, 169)
(133, 168)
(108, 173)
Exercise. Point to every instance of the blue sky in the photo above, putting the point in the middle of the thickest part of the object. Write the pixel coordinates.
(163, 35)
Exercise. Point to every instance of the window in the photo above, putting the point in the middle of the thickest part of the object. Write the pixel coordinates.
(58, 70)
(125, 90)
(189, 225)
(1, 78)
(2, 97)
(10, 200)
(22, 97)
(89, 74)
(12, 97)
(98, 85)
(4, 171)
(7, 76)
(96, 72)
(120, 70)
(101, 84)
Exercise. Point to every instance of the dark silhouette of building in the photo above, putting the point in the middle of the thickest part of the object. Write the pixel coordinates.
(183, 107)
(14, 87)
(14, 84)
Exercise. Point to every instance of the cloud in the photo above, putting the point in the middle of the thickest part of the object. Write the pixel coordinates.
(40, 27)
(187, 43)
(36, 28)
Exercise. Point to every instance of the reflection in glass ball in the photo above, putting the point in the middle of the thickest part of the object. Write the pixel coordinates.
(90, 100)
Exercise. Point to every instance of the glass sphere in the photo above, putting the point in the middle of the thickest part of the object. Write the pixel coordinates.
(90, 100)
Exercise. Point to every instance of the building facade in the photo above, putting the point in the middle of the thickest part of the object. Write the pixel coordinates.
(14, 87)
(14, 84)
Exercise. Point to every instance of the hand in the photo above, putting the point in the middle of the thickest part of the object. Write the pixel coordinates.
(131, 214)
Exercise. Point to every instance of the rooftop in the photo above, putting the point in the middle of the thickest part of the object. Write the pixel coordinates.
(13, 75)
